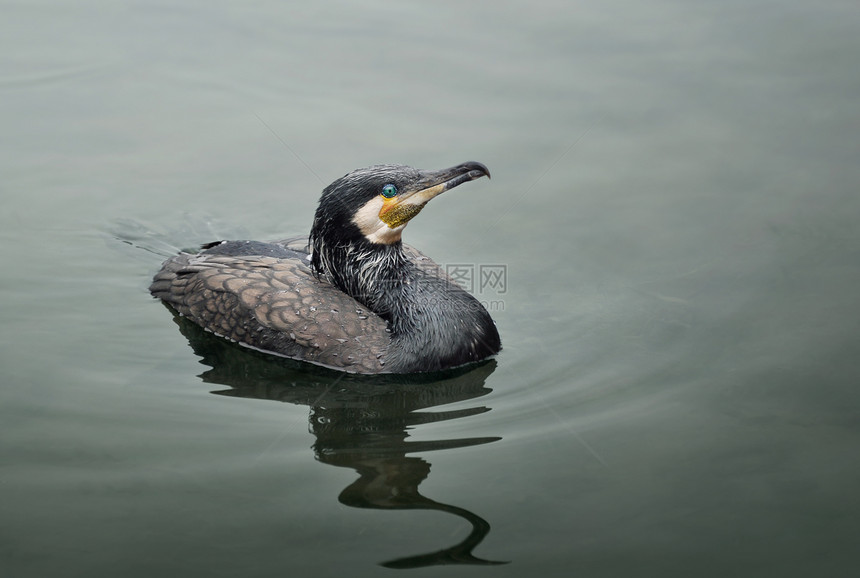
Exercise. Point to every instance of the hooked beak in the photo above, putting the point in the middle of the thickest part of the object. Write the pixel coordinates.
(400, 209)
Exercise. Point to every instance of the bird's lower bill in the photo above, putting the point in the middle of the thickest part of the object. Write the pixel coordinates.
(398, 214)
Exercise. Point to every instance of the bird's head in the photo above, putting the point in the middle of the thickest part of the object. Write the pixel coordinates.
(373, 205)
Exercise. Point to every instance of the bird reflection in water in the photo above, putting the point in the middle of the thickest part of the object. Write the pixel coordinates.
(361, 422)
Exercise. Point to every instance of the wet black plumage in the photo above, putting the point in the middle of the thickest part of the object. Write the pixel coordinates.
(354, 297)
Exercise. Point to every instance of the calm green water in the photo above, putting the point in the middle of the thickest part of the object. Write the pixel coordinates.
(674, 200)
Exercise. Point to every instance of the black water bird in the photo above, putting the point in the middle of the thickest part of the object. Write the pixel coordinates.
(353, 297)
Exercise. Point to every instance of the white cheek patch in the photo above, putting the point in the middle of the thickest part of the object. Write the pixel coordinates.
(371, 226)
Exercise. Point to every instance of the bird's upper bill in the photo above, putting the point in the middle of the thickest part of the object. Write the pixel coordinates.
(383, 218)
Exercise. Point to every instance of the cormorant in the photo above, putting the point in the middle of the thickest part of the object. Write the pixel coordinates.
(353, 298)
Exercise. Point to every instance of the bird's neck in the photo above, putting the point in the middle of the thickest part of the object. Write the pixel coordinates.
(434, 323)
(371, 274)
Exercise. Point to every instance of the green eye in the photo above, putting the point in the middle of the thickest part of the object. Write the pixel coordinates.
(389, 191)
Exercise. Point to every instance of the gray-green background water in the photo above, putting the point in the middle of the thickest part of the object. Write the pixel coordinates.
(675, 199)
